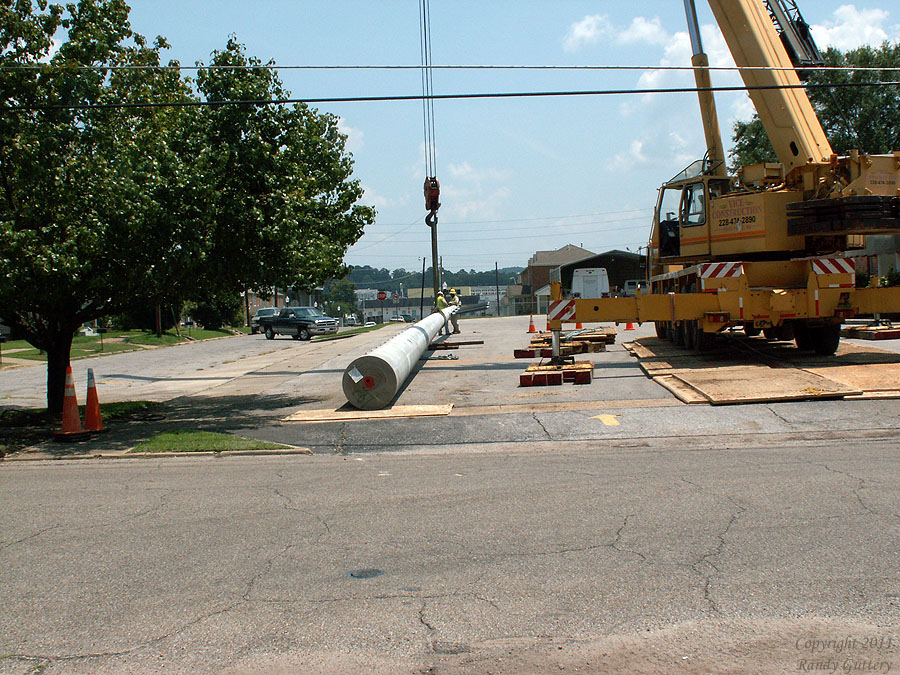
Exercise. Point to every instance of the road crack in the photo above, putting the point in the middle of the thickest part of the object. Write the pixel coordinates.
(541, 425)
(707, 559)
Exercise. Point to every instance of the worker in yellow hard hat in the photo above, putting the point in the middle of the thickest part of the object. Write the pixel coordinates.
(453, 300)
(440, 302)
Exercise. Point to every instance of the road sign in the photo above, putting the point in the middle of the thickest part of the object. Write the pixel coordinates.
(382, 295)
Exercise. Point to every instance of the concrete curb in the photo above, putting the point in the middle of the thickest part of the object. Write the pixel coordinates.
(36, 457)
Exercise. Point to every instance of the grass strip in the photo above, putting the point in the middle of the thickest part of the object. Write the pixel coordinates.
(202, 441)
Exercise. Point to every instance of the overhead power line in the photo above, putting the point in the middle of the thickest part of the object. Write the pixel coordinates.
(460, 96)
(63, 69)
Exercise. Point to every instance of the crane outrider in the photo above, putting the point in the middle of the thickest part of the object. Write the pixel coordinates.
(764, 249)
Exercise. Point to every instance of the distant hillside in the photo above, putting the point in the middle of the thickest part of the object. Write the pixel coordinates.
(390, 280)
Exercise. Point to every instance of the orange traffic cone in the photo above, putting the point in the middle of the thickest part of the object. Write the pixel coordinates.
(578, 326)
(71, 421)
(92, 419)
(531, 328)
(629, 326)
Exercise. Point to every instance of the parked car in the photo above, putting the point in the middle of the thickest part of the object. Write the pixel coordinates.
(301, 323)
(260, 313)
(369, 324)
(633, 285)
(350, 321)
(398, 319)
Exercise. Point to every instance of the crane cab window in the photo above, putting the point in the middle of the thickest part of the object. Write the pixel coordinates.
(693, 206)
(667, 215)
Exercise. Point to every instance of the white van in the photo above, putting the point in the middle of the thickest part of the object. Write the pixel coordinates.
(590, 282)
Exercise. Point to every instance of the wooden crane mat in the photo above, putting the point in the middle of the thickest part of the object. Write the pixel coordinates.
(740, 370)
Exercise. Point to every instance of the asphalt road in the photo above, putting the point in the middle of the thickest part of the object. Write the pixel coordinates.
(600, 528)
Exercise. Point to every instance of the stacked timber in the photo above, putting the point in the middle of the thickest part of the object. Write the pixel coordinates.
(585, 341)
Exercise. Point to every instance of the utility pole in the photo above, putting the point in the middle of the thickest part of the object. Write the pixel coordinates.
(422, 294)
(434, 260)
(497, 283)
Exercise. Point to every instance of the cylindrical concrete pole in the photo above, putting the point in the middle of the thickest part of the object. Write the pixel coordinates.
(371, 381)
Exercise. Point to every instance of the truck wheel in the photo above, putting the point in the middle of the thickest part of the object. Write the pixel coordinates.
(803, 337)
(661, 330)
(270, 334)
(750, 330)
(303, 334)
(690, 334)
(296, 337)
(826, 338)
(680, 334)
(704, 340)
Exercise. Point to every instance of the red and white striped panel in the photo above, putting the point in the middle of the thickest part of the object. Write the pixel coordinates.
(561, 310)
(721, 270)
(834, 266)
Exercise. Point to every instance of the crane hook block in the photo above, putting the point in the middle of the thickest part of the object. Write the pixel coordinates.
(432, 194)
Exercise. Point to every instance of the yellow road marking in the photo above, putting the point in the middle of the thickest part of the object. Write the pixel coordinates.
(608, 420)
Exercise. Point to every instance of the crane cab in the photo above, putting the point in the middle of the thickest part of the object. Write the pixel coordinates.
(701, 218)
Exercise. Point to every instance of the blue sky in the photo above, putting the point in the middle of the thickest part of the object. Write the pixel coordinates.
(517, 175)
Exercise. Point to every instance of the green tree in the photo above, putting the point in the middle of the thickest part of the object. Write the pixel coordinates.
(84, 228)
(105, 208)
(852, 117)
(340, 293)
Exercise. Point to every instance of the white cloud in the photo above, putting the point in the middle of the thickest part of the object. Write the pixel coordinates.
(678, 52)
(643, 30)
(854, 27)
(465, 171)
(480, 191)
(587, 31)
(597, 27)
(372, 198)
(634, 155)
(354, 136)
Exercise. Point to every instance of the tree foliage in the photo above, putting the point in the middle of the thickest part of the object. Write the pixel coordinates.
(105, 208)
(853, 117)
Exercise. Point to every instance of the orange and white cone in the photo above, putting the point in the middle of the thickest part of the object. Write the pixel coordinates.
(629, 326)
(531, 328)
(578, 326)
(71, 421)
(92, 419)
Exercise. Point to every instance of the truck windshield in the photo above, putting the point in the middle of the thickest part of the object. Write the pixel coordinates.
(308, 312)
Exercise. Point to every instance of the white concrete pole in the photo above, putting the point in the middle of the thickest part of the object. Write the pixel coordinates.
(371, 381)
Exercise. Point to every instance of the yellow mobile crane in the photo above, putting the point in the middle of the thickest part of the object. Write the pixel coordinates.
(764, 249)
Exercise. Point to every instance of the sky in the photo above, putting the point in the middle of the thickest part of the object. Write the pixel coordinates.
(517, 175)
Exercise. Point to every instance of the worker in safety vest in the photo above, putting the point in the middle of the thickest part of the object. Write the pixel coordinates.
(454, 301)
(441, 303)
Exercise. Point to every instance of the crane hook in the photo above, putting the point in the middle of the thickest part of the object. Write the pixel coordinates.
(431, 219)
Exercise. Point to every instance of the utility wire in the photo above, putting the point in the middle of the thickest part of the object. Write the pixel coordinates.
(434, 97)
(64, 69)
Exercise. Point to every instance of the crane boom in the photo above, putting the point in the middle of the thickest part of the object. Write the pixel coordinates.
(786, 113)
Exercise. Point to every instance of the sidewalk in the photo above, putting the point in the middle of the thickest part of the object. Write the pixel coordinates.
(187, 413)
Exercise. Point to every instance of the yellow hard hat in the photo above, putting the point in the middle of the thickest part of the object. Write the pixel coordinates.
(453, 291)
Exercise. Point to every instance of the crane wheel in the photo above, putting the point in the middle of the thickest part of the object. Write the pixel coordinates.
(826, 338)
(803, 337)
(661, 330)
(680, 334)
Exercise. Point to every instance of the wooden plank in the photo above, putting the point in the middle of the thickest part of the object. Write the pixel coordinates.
(350, 414)
(681, 390)
(761, 384)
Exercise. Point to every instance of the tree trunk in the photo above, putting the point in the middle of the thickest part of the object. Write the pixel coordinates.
(59, 348)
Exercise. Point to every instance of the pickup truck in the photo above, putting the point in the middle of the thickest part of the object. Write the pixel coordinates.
(301, 323)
